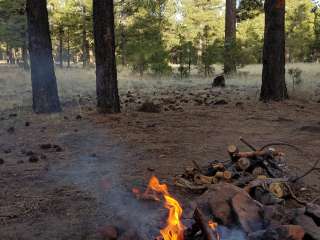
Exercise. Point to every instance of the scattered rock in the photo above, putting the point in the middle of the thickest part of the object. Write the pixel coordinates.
(150, 107)
(45, 146)
(284, 232)
(33, 159)
(27, 124)
(109, 232)
(220, 102)
(128, 235)
(151, 125)
(11, 115)
(1, 161)
(219, 81)
(311, 229)
(58, 148)
(218, 198)
(7, 151)
(78, 117)
(313, 210)
(11, 130)
(282, 119)
(248, 211)
(20, 162)
(311, 129)
(28, 153)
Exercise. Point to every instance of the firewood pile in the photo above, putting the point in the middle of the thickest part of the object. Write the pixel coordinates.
(248, 197)
(251, 196)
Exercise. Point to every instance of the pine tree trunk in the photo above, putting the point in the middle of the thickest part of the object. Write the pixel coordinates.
(44, 85)
(230, 37)
(106, 72)
(25, 59)
(85, 43)
(273, 74)
(68, 49)
(61, 46)
(122, 42)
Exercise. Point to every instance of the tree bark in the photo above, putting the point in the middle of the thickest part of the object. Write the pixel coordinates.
(25, 58)
(61, 46)
(68, 48)
(106, 71)
(273, 74)
(230, 37)
(44, 84)
(85, 43)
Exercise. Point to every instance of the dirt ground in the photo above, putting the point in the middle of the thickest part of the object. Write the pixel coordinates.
(71, 190)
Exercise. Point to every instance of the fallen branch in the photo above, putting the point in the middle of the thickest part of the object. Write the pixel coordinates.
(313, 168)
(247, 144)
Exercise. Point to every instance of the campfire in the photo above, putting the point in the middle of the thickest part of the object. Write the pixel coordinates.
(251, 196)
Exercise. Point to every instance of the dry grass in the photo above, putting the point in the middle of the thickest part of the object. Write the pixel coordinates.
(15, 84)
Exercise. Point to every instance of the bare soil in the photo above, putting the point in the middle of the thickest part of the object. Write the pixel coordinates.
(70, 193)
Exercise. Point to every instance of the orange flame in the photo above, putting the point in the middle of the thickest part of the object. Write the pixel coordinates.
(213, 226)
(174, 229)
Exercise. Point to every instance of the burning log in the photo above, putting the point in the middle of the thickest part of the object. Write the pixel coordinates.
(207, 226)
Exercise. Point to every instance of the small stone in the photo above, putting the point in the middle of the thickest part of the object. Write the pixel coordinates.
(248, 212)
(11, 115)
(109, 232)
(11, 130)
(20, 162)
(150, 107)
(45, 146)
(78, 117)
(34, 159)
(27, 124)
(1, 161)
(313, 210)
(28, 153)
(220, 102)
(58, 148)
(7, 151)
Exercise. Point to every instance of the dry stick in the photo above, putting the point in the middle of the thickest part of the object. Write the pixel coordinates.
(197, 166)
(248, 144)
(314, 168)
(282, 144)
(294, 196)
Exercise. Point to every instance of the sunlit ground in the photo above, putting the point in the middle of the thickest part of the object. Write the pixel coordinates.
(15, 86)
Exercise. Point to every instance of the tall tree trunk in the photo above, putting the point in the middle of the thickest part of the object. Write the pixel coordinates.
(106, 71)
(44, 84)
(273, 74)
(85, 43)
(230, 37)
(26, 66)
(61, 46)
(25, 56)
(122, 42)
(68, 48)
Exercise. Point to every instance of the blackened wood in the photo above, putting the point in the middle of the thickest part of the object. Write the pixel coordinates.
(44, 84)
(203, 223)
(273, 74)
(106, 72)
